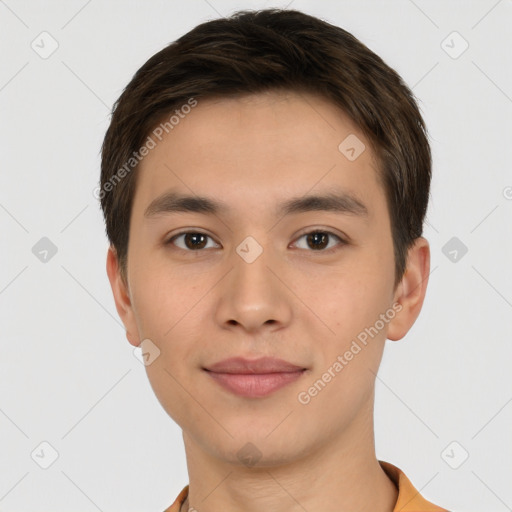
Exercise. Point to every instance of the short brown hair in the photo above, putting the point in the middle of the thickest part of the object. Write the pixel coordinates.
(274, 49)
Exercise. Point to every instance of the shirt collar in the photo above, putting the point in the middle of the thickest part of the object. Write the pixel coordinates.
(409, 499)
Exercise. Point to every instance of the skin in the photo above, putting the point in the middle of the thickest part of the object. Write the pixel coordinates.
(294, 302)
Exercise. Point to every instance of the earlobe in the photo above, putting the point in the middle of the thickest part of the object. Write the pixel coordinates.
(410, 293)
(121, 297)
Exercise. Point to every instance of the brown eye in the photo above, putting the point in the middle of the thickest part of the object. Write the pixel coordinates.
(317, 240)
(320, 240)
(195, 240)
(191, 240)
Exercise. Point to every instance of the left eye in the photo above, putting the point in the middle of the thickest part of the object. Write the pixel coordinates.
(319, 240)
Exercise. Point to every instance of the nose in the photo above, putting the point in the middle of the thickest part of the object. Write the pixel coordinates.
(253, 296)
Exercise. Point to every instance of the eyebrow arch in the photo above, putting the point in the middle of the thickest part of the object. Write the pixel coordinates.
(173, 202)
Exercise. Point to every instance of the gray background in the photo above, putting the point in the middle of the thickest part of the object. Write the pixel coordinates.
(69, 377)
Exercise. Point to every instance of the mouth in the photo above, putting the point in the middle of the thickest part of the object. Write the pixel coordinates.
(254, 378)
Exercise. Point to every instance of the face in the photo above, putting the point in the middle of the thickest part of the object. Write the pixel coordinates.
(263, 272)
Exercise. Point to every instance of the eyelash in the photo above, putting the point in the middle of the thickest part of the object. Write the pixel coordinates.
(342, 242)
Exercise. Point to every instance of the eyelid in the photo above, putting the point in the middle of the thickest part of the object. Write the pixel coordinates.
(329, 231)
(343, 240)
(170, 240)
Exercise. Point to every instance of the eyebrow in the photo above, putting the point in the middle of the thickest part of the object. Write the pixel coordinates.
(339, 202)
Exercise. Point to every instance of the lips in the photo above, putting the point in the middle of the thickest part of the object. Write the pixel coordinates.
(254, 378)
(240, 365)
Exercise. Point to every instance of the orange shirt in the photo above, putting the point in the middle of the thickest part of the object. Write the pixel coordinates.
(409, 499)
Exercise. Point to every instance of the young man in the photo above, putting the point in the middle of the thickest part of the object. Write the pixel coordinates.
(264, 184)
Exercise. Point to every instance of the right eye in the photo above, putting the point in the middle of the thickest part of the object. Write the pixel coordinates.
(191, 240)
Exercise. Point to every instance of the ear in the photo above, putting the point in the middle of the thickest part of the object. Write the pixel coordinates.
(411, 290)
(122, 297)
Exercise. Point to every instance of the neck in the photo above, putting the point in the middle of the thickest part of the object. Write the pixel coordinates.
(341, 475)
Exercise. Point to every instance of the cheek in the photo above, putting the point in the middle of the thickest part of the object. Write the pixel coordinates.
(348, 359)
(169, 304)
(160, 297)
(350, 302)
(346, 300)
(167, 312)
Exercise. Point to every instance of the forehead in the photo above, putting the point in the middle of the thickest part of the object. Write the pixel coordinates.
(257, 148)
